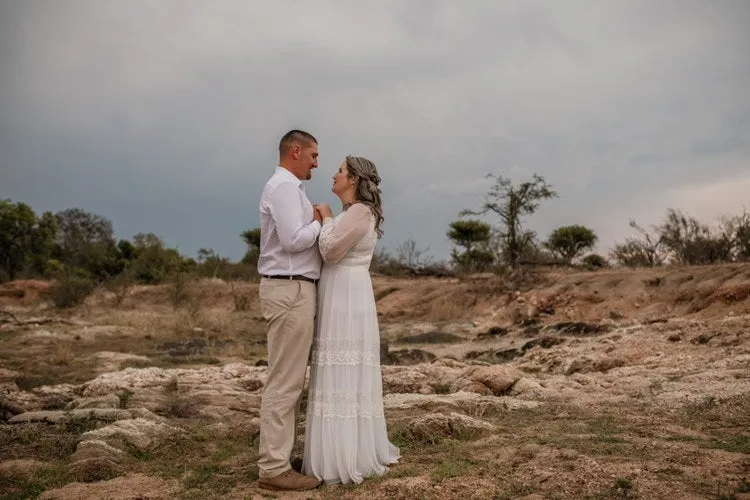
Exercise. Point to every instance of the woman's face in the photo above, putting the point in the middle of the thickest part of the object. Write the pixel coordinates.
(341, 181)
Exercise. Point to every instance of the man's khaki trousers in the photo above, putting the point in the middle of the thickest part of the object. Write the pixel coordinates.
(289, 310)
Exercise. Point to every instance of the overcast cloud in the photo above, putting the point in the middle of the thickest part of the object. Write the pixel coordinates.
(164, 116)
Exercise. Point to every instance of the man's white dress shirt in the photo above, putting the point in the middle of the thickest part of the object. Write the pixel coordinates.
(288, 238)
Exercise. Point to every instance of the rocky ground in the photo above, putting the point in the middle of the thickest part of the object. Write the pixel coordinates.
(614, 384)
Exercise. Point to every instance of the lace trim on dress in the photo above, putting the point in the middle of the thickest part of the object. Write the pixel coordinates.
(345, 404)
(346, 352)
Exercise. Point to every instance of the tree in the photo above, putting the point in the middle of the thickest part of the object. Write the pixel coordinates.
(648, 251)
(411, 256)
(143, 241)
(42, 245)
(691, 242)
(570, 242)
(17, 227)
(739, 228)
(251, 237)
(512, 203)
(127, 250)
(86, 241)
(154, 262)
(474, 236)
(78, 228)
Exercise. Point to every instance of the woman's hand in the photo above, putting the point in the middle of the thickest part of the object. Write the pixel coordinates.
(325, 210)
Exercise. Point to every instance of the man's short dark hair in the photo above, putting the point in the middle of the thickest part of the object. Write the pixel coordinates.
(292, 137)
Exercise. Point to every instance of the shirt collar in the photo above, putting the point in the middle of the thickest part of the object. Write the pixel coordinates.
(287, 174)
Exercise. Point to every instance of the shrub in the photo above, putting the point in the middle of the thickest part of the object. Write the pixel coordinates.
(570, 242)
(70, 290)
(595, 261)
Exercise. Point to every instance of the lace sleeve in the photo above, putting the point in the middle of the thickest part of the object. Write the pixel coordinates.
(338, 237)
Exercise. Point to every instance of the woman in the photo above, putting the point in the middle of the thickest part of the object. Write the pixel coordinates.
(346, 438)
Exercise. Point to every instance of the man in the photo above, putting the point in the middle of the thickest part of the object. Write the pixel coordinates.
(289, 264)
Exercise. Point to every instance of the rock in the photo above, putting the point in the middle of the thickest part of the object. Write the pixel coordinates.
(410, 357)
(606, 364)
(112, 361)
(129, 487)
(404, 381)
(703, 338)
(497, 331)
(532, 330)
(675, 337)
(493, 332)
(230, 391)
(578, 328)
(9, 407)
(495, 355)
(55, 396)
(616, 315)
(498, 379)
(108, 401)
(57, 416)
(95, 460)
(247, 427)
(435, 426)
(140, 433)
(431, 338)
(8, 375)
(155, 399)
(468, 385)
(467, 402)
(545, 342)
(577, 365)
(529, 388)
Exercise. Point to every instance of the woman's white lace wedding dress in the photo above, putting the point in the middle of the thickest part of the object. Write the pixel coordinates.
(346, 438)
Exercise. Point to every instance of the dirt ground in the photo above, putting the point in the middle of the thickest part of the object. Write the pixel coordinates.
(543, 385)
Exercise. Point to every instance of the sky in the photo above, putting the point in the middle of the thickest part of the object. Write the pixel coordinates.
(164, 116)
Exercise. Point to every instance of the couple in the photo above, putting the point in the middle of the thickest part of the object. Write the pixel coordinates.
(345, 438)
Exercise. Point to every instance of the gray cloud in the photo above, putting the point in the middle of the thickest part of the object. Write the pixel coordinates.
(164, 116)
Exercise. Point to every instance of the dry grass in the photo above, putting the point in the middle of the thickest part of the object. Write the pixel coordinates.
(561, 449)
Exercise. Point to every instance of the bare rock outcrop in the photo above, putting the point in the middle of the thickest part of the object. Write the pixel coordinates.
(139, 433)
(449, 376)
(436, 426)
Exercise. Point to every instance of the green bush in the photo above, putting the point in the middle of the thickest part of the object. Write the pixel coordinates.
(70, 290)
(595, 261)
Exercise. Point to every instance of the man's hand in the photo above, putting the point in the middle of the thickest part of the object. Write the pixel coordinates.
(324, 209)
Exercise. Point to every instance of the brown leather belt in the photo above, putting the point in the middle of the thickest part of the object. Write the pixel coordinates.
(298, 277)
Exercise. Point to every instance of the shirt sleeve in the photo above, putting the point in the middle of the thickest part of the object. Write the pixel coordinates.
(338, 237)
(295, 233)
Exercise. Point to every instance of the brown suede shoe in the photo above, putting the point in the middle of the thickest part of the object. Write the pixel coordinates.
(290, 481)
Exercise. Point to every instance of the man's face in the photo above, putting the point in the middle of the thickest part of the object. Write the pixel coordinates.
(307, 159)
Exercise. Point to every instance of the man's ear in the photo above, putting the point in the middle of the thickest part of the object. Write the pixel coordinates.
(296, 149)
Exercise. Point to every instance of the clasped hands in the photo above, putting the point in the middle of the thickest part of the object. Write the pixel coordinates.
(321, 211)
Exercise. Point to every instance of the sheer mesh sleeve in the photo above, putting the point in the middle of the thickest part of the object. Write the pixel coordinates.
(336, 238)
